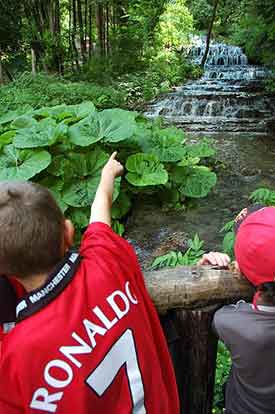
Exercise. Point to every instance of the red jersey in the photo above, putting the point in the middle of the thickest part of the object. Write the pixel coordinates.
(89, 340)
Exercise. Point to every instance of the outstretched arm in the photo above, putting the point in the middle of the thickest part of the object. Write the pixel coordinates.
(102, 204)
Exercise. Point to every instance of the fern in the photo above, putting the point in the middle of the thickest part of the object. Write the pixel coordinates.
(174, 258)
(264, 196)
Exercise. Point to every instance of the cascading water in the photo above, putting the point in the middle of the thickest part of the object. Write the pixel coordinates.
(228, 97)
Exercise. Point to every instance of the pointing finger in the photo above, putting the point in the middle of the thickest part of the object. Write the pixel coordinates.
(113, 156)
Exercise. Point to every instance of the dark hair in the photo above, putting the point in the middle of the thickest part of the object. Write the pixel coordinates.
(267, 293)
(31, 229)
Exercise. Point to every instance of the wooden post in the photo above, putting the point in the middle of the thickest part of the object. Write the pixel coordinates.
(195, 293)
(199, 351)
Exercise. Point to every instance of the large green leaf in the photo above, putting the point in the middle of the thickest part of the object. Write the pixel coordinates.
(166, 144)
(116, 124)
(145, 169)
(198, 182)
(81, 193)
(118, 227)
(6, 138)
(22, 165)
(63, 111)
(78, 164)
(80, 216)
(44, 133)
(8, 117)
(55, 185)
(23, 121)
(188, 161)
(85, 132)
(86, 173)
(84, 109)
(177, 174)
(202, 150)
(121, 206)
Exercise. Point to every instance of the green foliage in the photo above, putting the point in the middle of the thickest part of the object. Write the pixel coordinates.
(201, 11)
(222, 372)
(22, 165)
(270, 83)
(255, 30)
(64, 148)
(199, 180)
(263, 196)
(10, 25)
(202, 150)
(229, 238)
(125, 91)
(173, 259)
(145, 169)
(166, 144)
(175, 25)
(44, 90)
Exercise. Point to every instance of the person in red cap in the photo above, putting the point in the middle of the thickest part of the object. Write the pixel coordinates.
(248, 329)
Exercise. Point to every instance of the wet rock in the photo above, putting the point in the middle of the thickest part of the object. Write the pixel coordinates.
(175, 241)
(271, 126)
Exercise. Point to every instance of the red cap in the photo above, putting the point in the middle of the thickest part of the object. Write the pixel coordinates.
(255, 246)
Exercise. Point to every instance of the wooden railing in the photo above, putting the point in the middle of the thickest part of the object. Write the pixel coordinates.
(189, 296)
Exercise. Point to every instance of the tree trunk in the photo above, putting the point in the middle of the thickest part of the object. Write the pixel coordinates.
(33, 61)
(81, 31)
(192, 287)
(90, 32)
(54, 24)
(44, 17)
(209, 34)
(100, 28)
(107, 30)
(86, 10)
(1, 72)
(74, 34)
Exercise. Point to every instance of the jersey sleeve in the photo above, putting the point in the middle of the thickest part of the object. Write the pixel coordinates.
(100, 240)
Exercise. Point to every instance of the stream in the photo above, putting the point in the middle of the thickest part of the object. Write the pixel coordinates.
(227, 104)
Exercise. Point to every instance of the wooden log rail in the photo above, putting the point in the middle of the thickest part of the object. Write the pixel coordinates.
(189, 296)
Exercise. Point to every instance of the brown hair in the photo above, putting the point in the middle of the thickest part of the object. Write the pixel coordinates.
(267, 293)
(31, 229)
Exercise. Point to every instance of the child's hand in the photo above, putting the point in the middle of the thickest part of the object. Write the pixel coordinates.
(215, 258)
(112, 168)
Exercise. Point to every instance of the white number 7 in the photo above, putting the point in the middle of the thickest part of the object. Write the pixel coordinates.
(123, 352)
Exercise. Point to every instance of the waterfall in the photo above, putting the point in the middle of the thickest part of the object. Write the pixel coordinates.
(228, 97)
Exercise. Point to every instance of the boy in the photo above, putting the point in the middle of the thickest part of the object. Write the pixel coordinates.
(248, 330)
(87, 338)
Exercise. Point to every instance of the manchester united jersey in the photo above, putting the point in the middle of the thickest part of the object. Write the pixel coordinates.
(89, 340)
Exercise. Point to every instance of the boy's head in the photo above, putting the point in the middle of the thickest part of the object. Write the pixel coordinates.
(33, 232)
(255, 244)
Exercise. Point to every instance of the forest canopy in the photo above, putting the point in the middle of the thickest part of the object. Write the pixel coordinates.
(118, 36)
